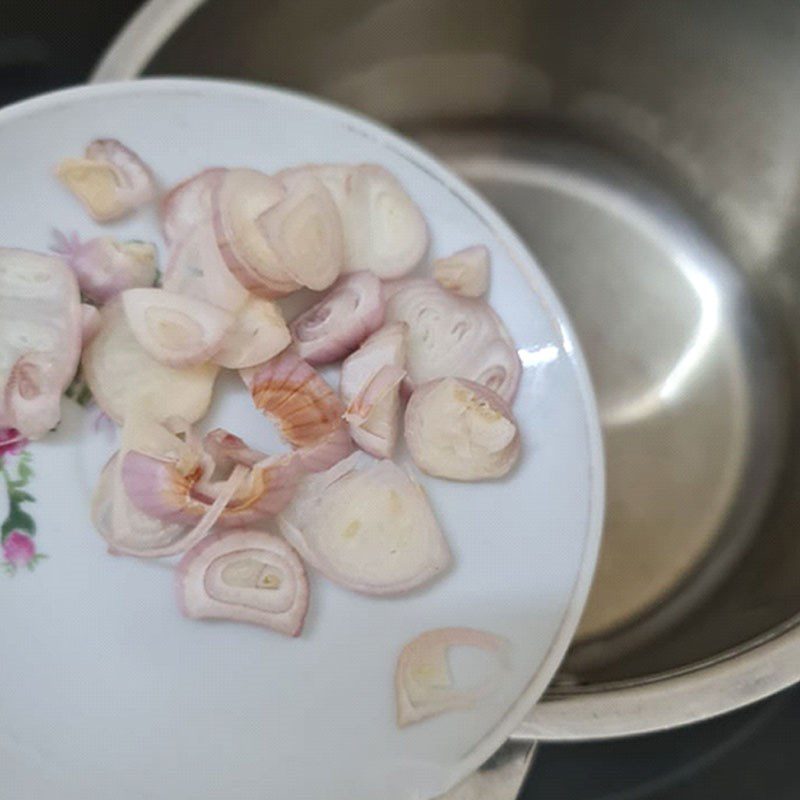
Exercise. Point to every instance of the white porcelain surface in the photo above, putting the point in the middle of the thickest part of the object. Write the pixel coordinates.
(107, 692)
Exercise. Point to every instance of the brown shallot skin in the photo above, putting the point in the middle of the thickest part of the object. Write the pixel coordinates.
(245, 576)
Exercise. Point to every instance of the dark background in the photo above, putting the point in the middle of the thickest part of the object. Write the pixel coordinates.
(751, 754)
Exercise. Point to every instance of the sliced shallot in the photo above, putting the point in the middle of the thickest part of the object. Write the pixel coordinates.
(296, 398)
(131, 531)
(174, 329)
(196, 268)
(370, 386)
(465, 272)
(245, 576)
(452, 336)
(90, 323)
(385, 229)
(41, 331)
(189, 203)
(461, 430)
(366, 525)
(305, 231)
(122, 375)
(110, 180)
(105, 267)
(259, 333)
(338, 323)
(174, 492)
(424, 686)
(240, 202)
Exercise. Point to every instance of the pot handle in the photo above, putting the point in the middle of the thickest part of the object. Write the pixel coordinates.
(500, 778)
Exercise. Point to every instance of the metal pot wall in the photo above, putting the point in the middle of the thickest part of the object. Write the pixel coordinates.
(648, 153)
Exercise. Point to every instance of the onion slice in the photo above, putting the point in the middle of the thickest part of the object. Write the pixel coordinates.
(338, 323)
(461, 430)
(305, 231)
(189, 203)
(105, 267)
(385, 229)
(90, 322)
(122, 375)
(41, 331)
(130, 531)
(424, 686)
(176, 492)
(259, 333)
(296, 398)
(465, 272)
(196, 268)
(245, 576)
(176, 330)
(452, 336)
(240, 202)
(370, 385)
(366, 525)
(110, 180)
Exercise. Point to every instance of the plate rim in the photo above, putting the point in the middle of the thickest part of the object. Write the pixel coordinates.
(525, 261)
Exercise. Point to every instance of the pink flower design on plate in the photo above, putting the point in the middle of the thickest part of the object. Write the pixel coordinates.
(12, 442)
(19, 550)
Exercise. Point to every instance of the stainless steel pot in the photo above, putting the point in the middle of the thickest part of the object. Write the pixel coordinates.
(648, 153)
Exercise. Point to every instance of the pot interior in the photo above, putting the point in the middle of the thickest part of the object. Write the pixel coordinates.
(648, 154)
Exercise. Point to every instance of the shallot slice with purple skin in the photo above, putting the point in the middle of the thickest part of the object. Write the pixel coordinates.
(110, 180)
(424, 686)
(374, 403)
(465, 272)
(41, 332)
(174, 329)
(130, 531)
(189, 203)
(367, 526)
(329, 450)
(160, 489)
(240, 202)
(122, 375)
(296, 398)
(196, 268)
(258, 334)
(452, 336)
(338, 323)
(105, 267)
(461, 430)
(245, 576)
(305, 231)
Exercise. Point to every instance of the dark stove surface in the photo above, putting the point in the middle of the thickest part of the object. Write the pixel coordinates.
(753, 754)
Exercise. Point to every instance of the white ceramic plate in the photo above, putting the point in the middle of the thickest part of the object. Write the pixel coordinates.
(105, 690)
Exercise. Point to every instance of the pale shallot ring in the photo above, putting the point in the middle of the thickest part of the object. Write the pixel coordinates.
(200, 573)
(174, 329)
(366, 525)
(423, 683)
(363, 404)
(453, 336)
(352, 310)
